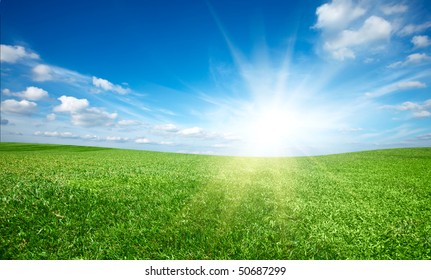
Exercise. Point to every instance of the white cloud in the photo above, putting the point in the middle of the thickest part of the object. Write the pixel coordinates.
(108, 86)
(406, 106)
(93, 117)
(42, 72)
(192, 132)
(82, 114)
(71, 104)
(422, 114)
(337, 15)
(414, 28)
(51, 117)
(394, 9)
(167, 143)
(409, 84)
(402, 85)
(343, 53)
(412, 59)
(12, 54)
(128, 122)
(91, 137)
(102, 83)
(419, 110)
(421, 41)
(23, 107)
(375, 29)
(143, 141)
(117, 139)
(31, 93)
(55, 134)
(166, 127)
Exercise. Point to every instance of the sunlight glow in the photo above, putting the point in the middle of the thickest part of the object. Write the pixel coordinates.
(269, 128)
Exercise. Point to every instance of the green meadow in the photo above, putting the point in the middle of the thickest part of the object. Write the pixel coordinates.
(71, 202)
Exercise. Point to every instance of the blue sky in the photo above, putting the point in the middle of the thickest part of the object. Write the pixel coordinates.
(255, 78)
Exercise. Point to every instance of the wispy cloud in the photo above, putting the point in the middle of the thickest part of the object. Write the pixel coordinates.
(169, 127)
(394, 9)
(143, 141)
(418, 110)
(398, 86)
(129, 122)
(414, 28)
(412, 59)
(55, 134)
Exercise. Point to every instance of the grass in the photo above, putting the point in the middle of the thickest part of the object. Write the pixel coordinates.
(69, 202)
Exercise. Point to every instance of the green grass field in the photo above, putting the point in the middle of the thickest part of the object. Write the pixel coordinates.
(68, 202)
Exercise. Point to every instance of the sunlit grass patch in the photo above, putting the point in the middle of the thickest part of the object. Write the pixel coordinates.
(65, 202)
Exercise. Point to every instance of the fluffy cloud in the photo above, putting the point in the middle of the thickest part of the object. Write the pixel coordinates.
(12, 54)
(82, 114)
(42, 72)
(108, 86)
(337, 15)
(375, 29)
(347, 29)
(23, 107)
(418, 110)
(30, 93)
(421, 41)
(412, 59)
(71, 104)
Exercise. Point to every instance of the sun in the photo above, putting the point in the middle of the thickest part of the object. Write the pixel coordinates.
(270, 130)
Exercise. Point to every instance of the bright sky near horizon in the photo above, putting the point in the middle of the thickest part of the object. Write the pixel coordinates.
(255, 78)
